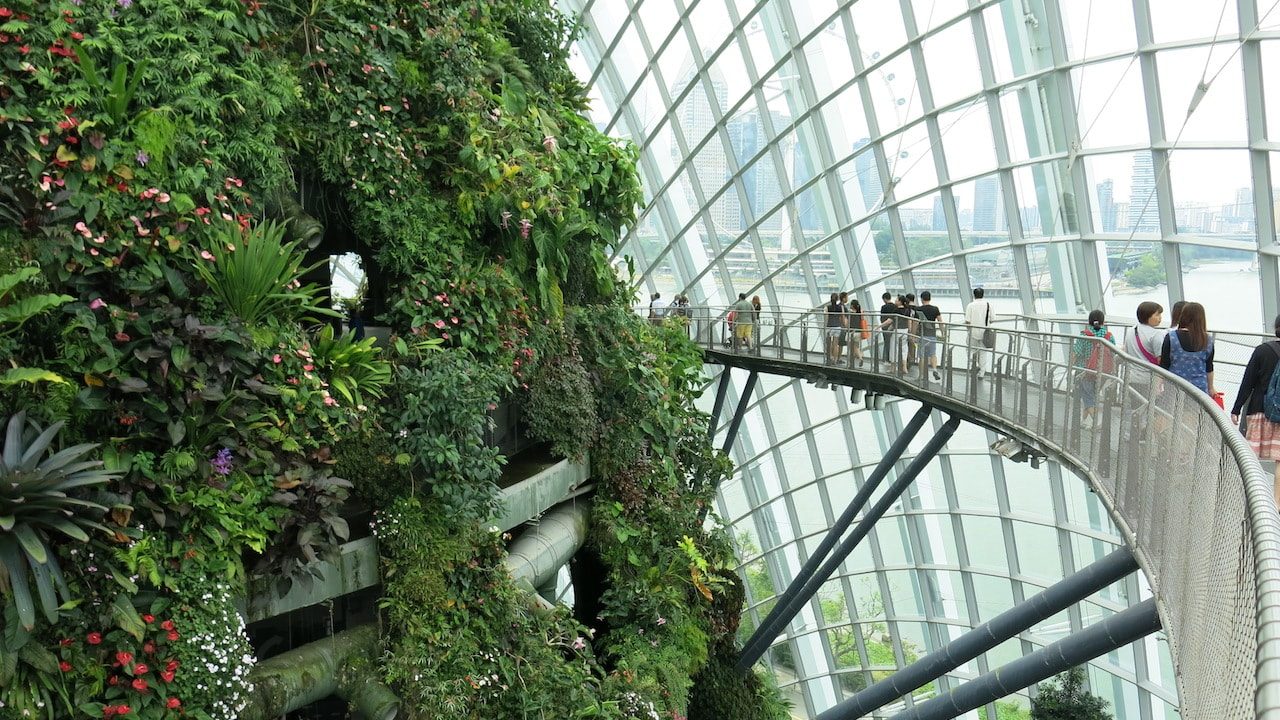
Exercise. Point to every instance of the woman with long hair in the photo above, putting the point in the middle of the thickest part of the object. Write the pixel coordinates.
(1093, 360)
(1261, 431)
(857, 331)
(1188, 351)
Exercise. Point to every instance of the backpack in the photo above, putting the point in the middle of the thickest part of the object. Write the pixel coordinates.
(1271, 401)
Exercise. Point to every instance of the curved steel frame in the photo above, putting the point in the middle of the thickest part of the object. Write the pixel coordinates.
(1208, 540)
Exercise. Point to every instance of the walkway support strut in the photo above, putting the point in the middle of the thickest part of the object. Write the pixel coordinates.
(1008, 624)
(1094, 641)
(741, 411)
(766, 633)
(721, 391)
(842, 523)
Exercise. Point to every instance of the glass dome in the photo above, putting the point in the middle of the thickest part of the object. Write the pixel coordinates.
(1064, 156)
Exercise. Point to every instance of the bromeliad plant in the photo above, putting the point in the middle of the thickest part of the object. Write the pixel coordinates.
(37, 505)
(254, 274)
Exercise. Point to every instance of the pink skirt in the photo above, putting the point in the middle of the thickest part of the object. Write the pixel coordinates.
(1263, 436)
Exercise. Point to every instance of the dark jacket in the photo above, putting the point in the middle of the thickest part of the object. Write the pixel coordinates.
(1257, 377)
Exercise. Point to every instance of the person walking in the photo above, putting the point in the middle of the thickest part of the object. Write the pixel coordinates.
(743, 322)
(1094, 362)
(913, 312)
(928, 320)
(885, 324)
(834, 334)
(655, 308)
(756, 307)
(977, 315)
(1147, 337)
(902, 333)
(1261, 431)
(1188, 351)
(857, 330)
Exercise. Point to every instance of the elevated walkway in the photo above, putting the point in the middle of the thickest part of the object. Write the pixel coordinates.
(1180, 483)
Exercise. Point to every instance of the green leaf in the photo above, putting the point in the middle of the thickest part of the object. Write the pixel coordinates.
(11, 280)
(28, 307)
(32, 544)
(127, 618)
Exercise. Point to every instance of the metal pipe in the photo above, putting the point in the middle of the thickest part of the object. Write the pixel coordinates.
(1094, 641)
(536, 555)
(1008, 624)
(843, 522)
(768, 632)
(741, 411)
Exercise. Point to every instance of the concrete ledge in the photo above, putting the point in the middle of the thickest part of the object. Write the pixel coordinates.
(357, 569)
(526, 499)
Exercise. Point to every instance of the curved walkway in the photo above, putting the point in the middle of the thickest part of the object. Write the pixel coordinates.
(1181, 484)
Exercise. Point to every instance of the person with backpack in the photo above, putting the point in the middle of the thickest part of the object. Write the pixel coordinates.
(1188, 351)
(1093, 361)
(859, 331)
(1261, 389)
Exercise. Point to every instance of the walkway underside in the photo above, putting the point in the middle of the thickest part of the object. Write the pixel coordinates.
(1187, 495)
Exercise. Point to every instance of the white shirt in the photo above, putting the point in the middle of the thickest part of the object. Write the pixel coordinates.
(1152, 339)
(977, 313)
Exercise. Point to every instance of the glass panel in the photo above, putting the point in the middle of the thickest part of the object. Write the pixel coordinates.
(1098, 28)
(911, 164)
(924, 225)
(1184, 21)
(952, 63)
(1219, 114)
(879, 27)
(1110, 103)
(967, 140)
(1213, 194)
(980, 209)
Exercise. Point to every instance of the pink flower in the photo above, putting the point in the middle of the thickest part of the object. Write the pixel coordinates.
(162, 197)
(439, 324)
(453, 320)
(549, 143)
(579, 643)
(97, 304)
(83, 229)
(206, 255)
(328, 400)
(444, 335)
(367, 68)
(308, 367)
(526, 225)
(277, 359)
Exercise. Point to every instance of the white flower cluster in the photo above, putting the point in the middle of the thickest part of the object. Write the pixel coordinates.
(217, 656)
(637, 707)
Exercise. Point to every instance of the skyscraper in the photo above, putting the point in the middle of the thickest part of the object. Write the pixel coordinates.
(1144, 207)
(988, 210)
(868, 179)
(1106, 205)
(939, 215)
(711, 165)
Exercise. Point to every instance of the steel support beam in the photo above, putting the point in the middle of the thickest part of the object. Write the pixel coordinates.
(841, 524)
(969, 646)
(1094, 641)
(743, 401)
(722, 390)
(766, 633)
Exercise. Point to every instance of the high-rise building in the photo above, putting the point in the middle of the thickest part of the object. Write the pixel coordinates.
(988, 210)
(806, 202)
(1106, 205)
(939, 215)
(710, 164)
(1144, 207)
(868, 175)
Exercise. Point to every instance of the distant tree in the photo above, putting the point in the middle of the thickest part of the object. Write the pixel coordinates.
(1147, 273)
(1068, 699)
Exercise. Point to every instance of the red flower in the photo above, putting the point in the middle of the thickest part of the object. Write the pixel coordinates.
(66, 642)
(148, 618)
(139, 684)
(171, 666)
(109, 711)
(166, 675)
(141, 669)
(123, 709)
(94, 638)
(122, 337)
(173, 636)
(124, 658)
(149, 648)
(64, 666)
(5, 12)
(166, 625)
(173, 703)
(77, 36)
(113, 681)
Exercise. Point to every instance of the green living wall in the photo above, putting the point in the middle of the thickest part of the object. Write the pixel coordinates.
(180, 418)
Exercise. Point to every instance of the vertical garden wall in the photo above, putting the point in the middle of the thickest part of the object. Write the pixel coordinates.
(180, 416)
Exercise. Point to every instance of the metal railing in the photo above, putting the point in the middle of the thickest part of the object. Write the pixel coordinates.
(1182, 485)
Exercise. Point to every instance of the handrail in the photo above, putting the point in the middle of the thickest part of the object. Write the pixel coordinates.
(1180, 482)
